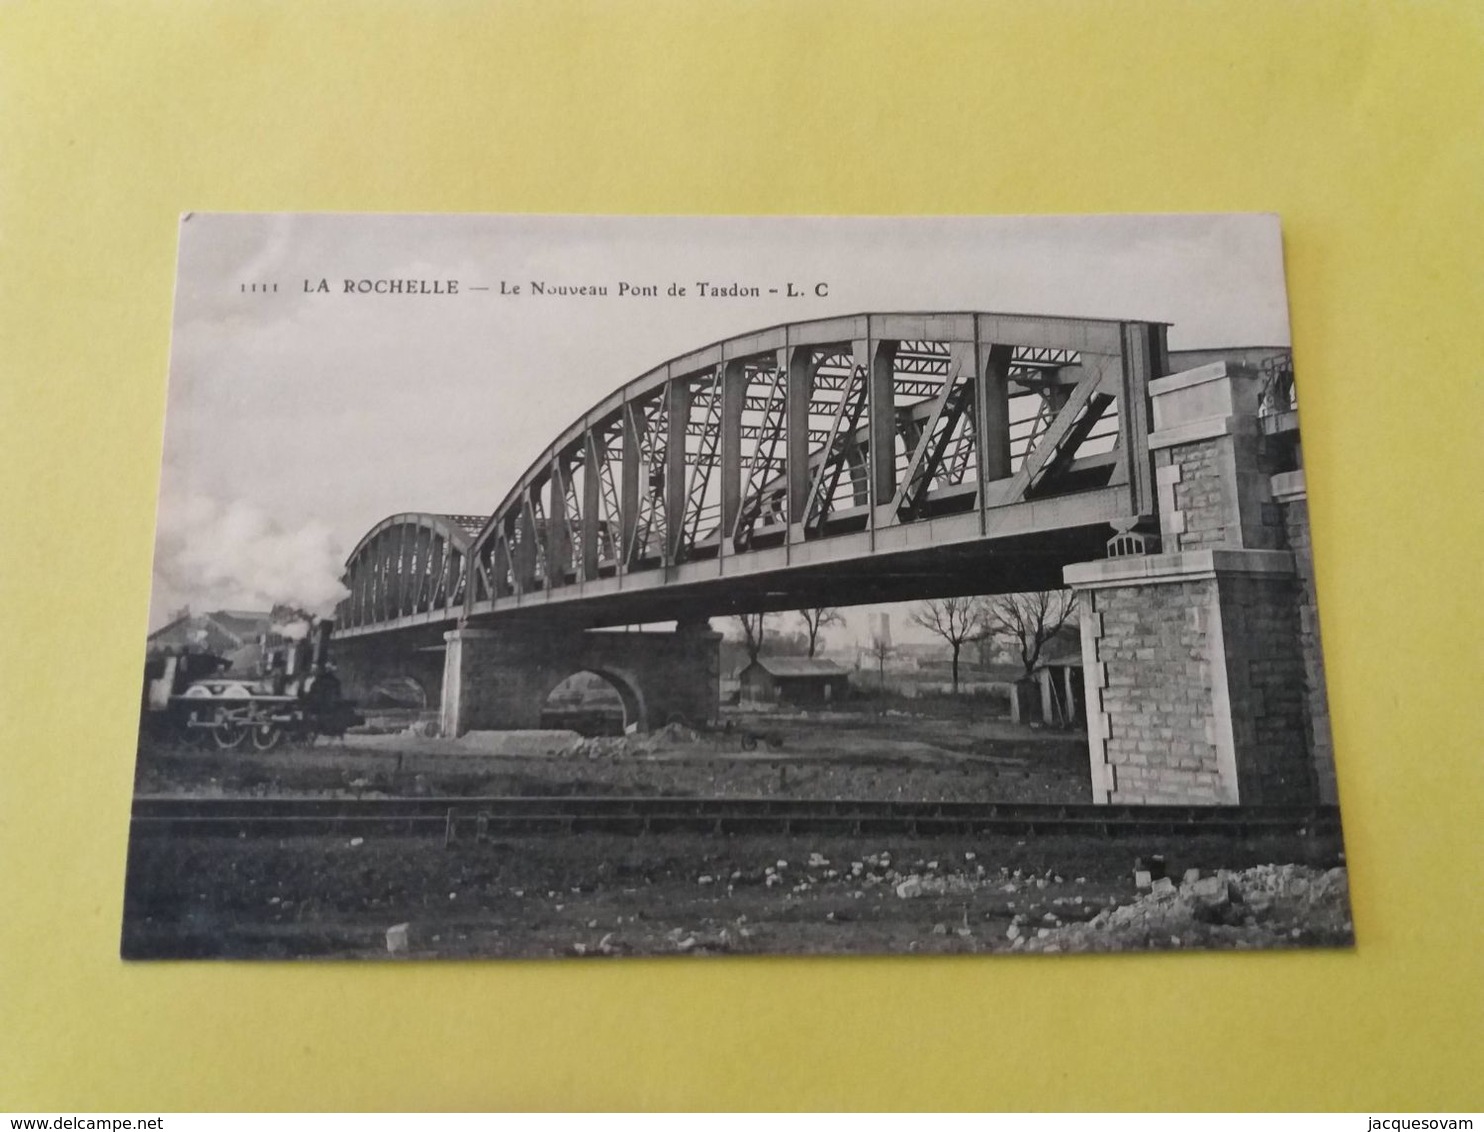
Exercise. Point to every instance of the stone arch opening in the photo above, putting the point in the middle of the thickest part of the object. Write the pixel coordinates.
(593, 702)
(406, 692)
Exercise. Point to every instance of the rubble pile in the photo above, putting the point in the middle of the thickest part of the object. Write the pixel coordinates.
(618, 746)
(598, 747)
(1265, 906)
(951, 885)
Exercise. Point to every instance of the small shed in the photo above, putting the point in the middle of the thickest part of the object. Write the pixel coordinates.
(1053, 693)
(793, 680)
(1063, 695)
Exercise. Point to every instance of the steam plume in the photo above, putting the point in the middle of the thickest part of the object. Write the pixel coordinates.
(211, 554)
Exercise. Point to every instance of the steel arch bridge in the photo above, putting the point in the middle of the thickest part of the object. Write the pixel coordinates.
(874, 457)
(407, 566)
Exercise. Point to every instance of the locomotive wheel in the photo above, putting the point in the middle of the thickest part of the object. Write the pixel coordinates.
(265, 736)
(228, 732)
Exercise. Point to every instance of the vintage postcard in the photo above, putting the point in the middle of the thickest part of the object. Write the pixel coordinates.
(593, 586)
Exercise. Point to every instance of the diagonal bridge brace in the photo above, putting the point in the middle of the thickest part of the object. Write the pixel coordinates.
(1058, 444)
(953, 398)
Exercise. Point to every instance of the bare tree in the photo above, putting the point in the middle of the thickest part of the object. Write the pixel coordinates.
(881, 648)
(955, 619)
(753, 631)
(818, 619)
(1027, 621)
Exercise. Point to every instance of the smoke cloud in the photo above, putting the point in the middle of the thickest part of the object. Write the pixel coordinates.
(212, 554)
(293, 630)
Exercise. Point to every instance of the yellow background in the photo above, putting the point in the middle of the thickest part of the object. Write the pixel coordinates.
(1360, 123)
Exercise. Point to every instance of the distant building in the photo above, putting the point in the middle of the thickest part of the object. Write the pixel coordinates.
(218, 632)
(793, 680)
(881, 628)
(235, 634)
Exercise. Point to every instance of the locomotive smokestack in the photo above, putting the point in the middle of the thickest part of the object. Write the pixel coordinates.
(322, 633)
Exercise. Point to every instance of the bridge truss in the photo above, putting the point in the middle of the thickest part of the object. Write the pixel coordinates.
(408, 566)
(875, 454)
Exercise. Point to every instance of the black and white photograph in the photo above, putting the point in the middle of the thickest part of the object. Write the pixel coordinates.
(590, 587)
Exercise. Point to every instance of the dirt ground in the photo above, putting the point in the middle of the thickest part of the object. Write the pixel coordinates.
(601, 896)
(840, 756)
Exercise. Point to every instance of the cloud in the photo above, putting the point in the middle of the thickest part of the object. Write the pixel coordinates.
(213, 554)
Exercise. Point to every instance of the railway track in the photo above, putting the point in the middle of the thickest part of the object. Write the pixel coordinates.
(465, 818)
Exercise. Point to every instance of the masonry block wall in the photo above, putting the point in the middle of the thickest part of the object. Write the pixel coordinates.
(496, 681)
(1265, 676)
(1153, 673)
(364, 664)
(1289, 489)
(1198, 494)
(677, 676)
(1198, 669)
(499, 679)
(1214, 492)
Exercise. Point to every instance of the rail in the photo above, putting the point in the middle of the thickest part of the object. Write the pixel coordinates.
(462, 818)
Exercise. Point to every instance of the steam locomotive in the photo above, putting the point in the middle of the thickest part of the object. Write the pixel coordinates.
(294, 698)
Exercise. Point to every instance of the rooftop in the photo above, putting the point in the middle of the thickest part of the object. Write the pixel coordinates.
(799, 666)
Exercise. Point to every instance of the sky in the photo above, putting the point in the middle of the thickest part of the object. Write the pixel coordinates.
(299, 417)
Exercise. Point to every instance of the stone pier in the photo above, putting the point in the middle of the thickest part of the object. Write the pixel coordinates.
(498, 679)
(367, 666)
(1202, 670)
(1290, 492)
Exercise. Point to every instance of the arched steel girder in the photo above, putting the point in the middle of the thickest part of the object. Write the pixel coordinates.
(801, 435)
(409, 569)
